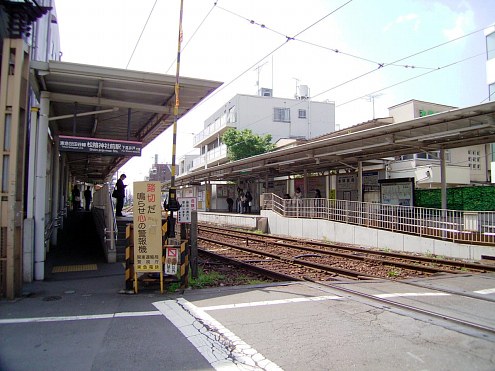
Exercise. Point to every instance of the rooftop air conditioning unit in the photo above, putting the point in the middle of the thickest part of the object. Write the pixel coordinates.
(266, 92)
(304, 91)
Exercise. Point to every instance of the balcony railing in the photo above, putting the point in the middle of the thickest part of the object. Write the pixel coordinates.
(477, 227)
(215, 128)
(216, 154)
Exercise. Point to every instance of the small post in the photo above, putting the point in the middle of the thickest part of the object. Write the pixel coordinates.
(193, 240)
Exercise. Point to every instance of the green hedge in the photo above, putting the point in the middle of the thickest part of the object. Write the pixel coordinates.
(462, 198)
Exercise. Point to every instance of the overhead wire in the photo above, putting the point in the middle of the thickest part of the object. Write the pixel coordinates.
(142, 32)
(192, 35)
(270, 53)
(413, 78)
(379, 90)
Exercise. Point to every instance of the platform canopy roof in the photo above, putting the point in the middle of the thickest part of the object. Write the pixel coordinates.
(111, 105)
(370, 143)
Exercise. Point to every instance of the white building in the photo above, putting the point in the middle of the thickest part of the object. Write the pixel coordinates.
(490, 80)
(279, 117)
(465, 165)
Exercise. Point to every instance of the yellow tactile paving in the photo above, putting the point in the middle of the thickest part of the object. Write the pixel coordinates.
(74, 268)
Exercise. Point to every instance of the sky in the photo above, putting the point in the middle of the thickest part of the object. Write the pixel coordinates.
(344, 51)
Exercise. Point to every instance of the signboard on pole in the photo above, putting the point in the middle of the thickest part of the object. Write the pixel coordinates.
(187, 204)
(147, 227)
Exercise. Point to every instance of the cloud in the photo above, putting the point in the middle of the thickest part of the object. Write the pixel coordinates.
(411, 17)
(463, 22)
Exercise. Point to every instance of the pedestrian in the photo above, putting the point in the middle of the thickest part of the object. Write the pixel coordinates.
(298, 195)
(298, 200)
(87, 197)
(318, 203)
(240, 200)
(76, 198)
(230, 204)
(248, 202)
(120, 195)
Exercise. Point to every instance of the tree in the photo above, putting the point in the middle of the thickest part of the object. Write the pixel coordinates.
(243, 143)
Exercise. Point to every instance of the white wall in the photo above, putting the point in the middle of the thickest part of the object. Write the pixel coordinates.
(368, 237)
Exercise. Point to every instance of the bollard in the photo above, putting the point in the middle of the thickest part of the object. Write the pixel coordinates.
(184, 265)
(129, 254)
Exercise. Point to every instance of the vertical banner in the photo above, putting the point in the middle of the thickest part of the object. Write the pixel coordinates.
(147, 227)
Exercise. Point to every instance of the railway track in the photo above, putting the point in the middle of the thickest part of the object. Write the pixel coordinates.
(317, 261)
(289, 259)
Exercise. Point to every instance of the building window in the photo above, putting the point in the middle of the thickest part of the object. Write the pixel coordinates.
(281, 114)
(232, 116)
(302, 114)
(474, 159)
(491, 91)
(490, 46)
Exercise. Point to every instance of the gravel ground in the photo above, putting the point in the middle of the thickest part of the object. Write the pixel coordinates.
(228, 274)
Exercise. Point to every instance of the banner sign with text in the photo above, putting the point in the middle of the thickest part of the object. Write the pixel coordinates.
(187, 204)
(147, 227)
(99, 146)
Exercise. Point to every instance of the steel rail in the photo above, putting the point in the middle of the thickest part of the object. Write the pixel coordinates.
(460, 264)
(459, 321)
(326, 268)
(393, 263)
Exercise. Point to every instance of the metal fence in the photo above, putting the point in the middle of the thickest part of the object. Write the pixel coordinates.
(462, 226)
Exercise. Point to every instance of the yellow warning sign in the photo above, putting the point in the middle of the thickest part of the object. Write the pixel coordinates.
(147, 227)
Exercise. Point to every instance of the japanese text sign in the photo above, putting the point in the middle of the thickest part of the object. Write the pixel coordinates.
(187, 204)
(147, 227)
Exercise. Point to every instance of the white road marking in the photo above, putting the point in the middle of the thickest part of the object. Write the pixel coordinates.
(79, 318)
(409, 294)
(415, 357)
(220, 347)
(271, 302)
(485, 292)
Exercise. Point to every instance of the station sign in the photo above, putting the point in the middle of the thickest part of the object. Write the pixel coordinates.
(187, 205)
(107, 147)
(147, 215)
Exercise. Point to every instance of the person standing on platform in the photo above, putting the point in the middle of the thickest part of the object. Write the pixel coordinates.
(298, 201)
(87, 198)
(240, 197)
(230, 204)
(76, 198)
(120, 195)
(248, 202)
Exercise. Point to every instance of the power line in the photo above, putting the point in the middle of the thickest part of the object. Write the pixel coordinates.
(193, 34)
(412, 78)
(266, 56)
(383, 65)
(142, 31)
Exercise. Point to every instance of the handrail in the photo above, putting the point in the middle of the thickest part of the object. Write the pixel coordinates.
(477, 227)
(115, 227)
(54, 223)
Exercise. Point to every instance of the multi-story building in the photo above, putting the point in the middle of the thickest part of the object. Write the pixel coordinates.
(160, 172)
(490, 80)
(280, 117)
(466, 165)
